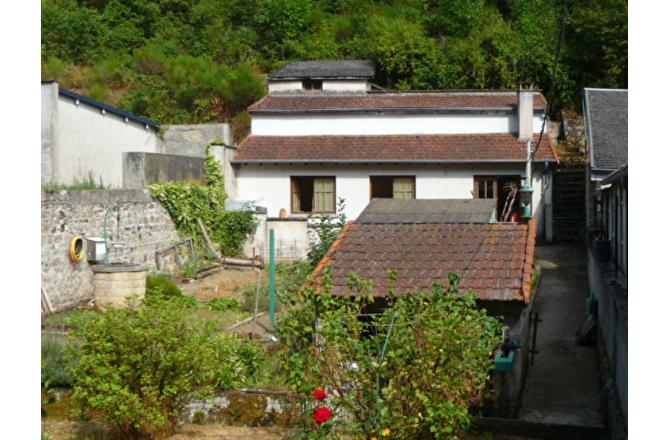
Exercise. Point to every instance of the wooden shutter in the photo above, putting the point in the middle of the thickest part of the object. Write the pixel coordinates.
(323, 194)
(296, 205)
(403, 188)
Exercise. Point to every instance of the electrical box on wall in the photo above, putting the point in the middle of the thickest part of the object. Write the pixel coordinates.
(96, 251)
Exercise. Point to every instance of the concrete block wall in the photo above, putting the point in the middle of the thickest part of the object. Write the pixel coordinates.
(139, 229)
(142, 169)
(192, 140)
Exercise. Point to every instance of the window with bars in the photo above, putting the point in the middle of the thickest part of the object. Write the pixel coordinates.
(393, 187)
(313, 194)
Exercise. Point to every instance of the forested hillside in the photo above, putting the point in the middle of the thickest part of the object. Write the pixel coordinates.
(180, 61)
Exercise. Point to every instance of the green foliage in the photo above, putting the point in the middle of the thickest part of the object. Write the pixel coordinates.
(139, 367)
(328, 229)
(54, 364)
(87, 183)
(222, 304)
(205, 60)
(187, 202)
(415, 369)
(162, 285)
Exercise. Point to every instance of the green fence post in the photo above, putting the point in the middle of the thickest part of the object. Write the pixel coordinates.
(272, 279)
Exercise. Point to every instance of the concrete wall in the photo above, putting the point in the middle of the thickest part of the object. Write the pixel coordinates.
(269, 185)
(612, 314)
(144, 228)
(383, 124)
(141, 169)
(291, 237)
(89, 142)
(191, 140)
(49, 127)
(224, 154)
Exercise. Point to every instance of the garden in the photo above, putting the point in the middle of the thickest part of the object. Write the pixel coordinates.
(416, 366)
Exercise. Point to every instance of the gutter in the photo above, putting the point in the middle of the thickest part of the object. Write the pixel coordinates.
(108, 108)
(395, 110)
(378, 161)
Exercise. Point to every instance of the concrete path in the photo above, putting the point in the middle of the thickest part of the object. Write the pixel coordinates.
(562, 386)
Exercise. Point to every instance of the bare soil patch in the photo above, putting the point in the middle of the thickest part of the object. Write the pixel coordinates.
(228, 282)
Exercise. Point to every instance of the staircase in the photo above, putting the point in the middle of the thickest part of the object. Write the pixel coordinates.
(568, 204)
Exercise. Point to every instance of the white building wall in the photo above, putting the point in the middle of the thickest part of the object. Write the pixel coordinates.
(88, 141)
(269, 185)
(345, 85)
(332, 85)
(284, 86)
(385, 124)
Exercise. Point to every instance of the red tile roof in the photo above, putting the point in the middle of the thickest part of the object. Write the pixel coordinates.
(494, 260)
(388, 148)
(406, 101)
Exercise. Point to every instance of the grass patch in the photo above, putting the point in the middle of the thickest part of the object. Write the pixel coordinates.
(87, 183)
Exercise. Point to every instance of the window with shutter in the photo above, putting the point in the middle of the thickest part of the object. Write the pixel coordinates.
(312, 194)
(323, 194)
(403, 188)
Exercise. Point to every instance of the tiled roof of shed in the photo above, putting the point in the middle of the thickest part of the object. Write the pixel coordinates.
(325, 69)
(428, 211)
(494, 260)
(392, 148)
(391, 101)
(606, 113)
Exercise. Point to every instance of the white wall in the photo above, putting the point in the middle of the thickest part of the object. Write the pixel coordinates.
(332, 85)
(344, 85)
(88, 141)
(49, 128)
(383, 124)
(269, 185)
(284, 86)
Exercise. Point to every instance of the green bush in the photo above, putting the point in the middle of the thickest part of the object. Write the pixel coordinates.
(222, 304)
(55, 366)
(420, 365)
(162, 285)
(139, 367)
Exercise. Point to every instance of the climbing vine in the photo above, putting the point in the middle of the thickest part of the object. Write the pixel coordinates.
(186, 202)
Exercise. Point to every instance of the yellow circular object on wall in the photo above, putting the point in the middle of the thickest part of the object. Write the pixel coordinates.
(77, 249)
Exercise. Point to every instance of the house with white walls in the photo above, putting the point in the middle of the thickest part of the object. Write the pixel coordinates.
(325, 132)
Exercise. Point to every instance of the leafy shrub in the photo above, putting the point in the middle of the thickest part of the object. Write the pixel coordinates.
(327, 230)
(222, 304)
(415, 369)
(162, 285)
(187, 202)
(55, 365)
(139, 367)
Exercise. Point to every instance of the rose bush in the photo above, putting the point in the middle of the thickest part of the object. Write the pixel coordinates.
(413, 370)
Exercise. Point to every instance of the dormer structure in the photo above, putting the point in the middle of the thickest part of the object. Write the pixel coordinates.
(312, 77)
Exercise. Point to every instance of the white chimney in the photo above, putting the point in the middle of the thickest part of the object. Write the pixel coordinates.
(525, 114)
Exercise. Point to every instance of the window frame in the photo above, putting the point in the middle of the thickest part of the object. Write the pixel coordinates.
(312, 85)
(312, 177)
(398, 176)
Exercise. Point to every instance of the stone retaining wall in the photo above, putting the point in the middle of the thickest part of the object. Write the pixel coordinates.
(139, 228)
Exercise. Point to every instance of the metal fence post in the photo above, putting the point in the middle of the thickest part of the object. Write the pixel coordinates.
(272, 279)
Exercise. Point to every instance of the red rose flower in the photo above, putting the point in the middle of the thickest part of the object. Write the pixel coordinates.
(319, 394)
(322, 414)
